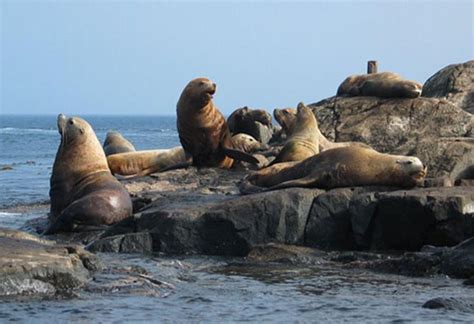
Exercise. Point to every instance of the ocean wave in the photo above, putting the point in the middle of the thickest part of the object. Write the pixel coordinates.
(20, 131)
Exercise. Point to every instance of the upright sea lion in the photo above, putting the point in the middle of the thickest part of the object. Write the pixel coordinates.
(202, 129)
(384, 85)
(304, 141)
(83, 191)
(115, 143)
(339, 167)
(286, 118)
(142, 163)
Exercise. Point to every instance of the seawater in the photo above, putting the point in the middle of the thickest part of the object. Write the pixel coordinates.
(29, 144)
(207, 289)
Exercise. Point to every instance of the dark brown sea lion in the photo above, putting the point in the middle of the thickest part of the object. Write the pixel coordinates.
(304, 140)
(339, 167)
(115, 143)
(202, 128)
(384, 85)
(242, 119)
(142, 163)
(83, 191)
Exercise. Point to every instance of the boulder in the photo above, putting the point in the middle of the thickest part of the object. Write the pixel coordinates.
(435, 130)
(451, 303)
(455, 83)
(29, 265)
(459, 262)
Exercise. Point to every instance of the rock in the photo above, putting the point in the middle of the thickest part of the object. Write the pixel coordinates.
(437, 131)
(125, 243)
(6, 167)
(451, 303)
(459, 262)
(29, 265)
(409, 219)
(455, 83)
(469, 282)
(281, 253)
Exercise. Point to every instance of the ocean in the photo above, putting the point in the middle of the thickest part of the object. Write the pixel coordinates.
(208, 289)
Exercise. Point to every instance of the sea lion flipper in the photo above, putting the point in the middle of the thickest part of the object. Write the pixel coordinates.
(302, 182)
(239, 155)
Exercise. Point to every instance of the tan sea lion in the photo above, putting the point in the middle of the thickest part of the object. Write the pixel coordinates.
(384, 85)
(304, 140)
(115, 143)
(142, 163)
(202, 128)
(83, 191)
(247, 143)
(286, 117)
(339, 167)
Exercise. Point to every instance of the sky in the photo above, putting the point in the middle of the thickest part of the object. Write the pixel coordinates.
(135, 57)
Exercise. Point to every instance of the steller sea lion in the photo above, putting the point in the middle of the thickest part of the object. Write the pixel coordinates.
(142, 163)
(247, 143)
(83, 191)
(339, 167)
(286, 118)
(384, 85)
(202, 129)
(115, 143)
(304, 140)
(251, 121)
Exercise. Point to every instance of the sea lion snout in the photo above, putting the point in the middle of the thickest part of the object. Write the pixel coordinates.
(62, 119)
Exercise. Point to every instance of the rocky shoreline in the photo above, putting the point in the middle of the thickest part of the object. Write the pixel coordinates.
(199, 211)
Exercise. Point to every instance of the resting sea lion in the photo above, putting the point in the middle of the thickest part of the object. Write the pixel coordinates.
(202, 129)
(286, 118)
(303, 141)
(115, 143)
(246, 143)
(83, 191)
(384, 85)
(339, 167)
(142, 163)
(243, 118)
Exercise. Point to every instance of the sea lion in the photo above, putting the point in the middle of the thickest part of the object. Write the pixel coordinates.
(115, 143)
(304, 140)
(247, 143)
(142, 163)
(384, 85)
(255, 122)
(339, 167)
(286, 117)
(202, 129)
(83, 191)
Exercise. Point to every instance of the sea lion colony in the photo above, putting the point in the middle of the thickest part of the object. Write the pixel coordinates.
(84, 192)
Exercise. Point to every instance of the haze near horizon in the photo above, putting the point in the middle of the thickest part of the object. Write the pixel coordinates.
(134, 58)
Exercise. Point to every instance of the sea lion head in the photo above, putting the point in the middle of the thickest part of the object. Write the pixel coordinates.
(247, 143)
(285, 117)
(411, 89)
(73, 129)
(411, 170)
(304, 116)
(198, 92)
(112, 136)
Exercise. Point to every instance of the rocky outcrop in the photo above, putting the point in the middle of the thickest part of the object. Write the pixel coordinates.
(29, 265)
(455, 83)
(438, 132)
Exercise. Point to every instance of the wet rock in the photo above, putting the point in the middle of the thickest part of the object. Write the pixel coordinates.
(29, 265)
(437, 131)
(125, 243)
(409, 219)
(455, 83)
(6, 167)
(451, 303)
(469, 282)
(459, 262)
(292, 254)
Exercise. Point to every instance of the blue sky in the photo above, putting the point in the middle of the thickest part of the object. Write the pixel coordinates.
(135, 57)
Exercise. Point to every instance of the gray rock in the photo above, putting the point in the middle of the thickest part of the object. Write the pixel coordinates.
(451, 303)
(435, 130)
(29, 265)
(125, 243)
(459, 262)
(455, 83)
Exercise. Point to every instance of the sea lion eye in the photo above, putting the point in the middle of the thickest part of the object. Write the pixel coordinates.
(71, 122)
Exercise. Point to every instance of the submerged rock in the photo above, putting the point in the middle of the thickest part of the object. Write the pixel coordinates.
(451, 303)
(29, 265)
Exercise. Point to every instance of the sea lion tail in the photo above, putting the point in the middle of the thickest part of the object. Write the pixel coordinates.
(239, 155)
